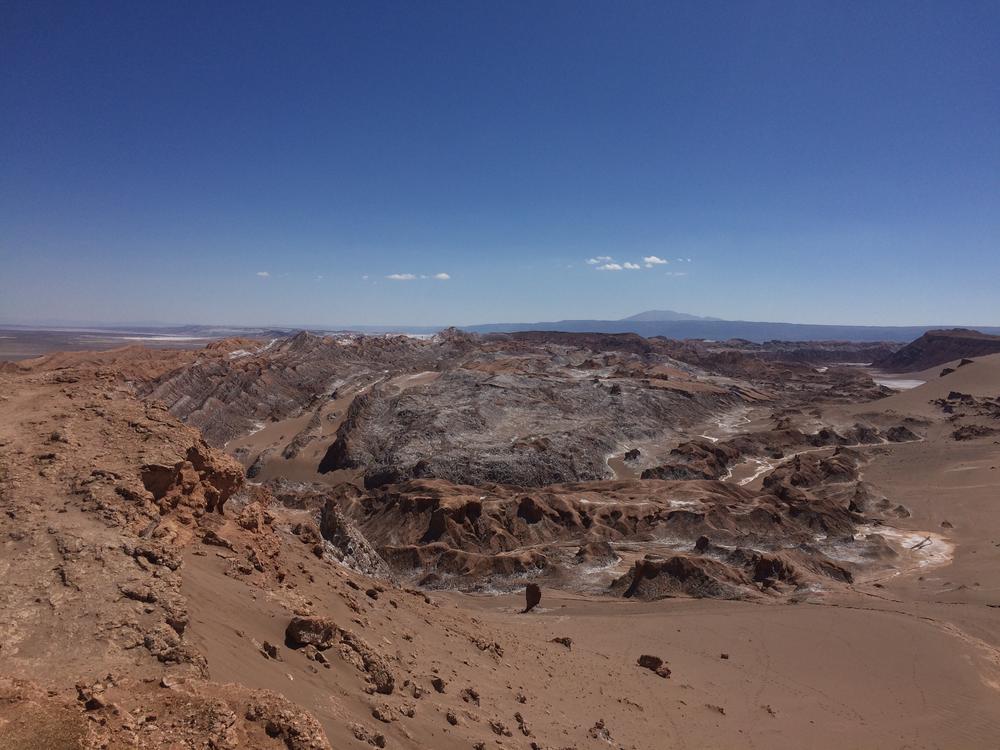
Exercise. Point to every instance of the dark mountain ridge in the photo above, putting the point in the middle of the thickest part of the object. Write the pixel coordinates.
(722, 330)
(935, 348)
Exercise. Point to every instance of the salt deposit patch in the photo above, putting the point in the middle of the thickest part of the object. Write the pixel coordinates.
(924, 549)
(899, 384)
(164, 338)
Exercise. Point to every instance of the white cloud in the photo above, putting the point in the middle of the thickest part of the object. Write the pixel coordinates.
(632, 266)
(599, 260)
(610, 267)
(652, 260)
(264, 274)
(676, 273)
(365, 277)
(413, 277)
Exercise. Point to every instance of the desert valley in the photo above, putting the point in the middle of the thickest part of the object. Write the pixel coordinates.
(447, 375)
(519, 540)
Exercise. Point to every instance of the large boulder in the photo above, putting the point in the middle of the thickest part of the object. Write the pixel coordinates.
(311, 631)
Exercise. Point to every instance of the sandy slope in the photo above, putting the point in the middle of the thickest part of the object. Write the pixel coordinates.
(981, 378)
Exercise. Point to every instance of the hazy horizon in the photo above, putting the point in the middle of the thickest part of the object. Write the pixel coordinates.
(300, 325)
(454, 163)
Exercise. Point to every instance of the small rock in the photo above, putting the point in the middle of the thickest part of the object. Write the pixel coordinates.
(499, 729)
(599, 731)
(522, 725)
(211, 537)
(91, 697)
(363, 734)
(383, 712)
(654, 664)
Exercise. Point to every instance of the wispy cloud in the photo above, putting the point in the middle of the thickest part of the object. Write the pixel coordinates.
(676, 273)
(264, 274)
(442, 276)
(607, 263)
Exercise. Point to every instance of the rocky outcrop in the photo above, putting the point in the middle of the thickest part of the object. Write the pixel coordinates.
(703, 459)
(225, 397)
(439, 534)
(322, 633)
(205, 480)
(974, 432)
(696, 459)
(348, 544)
(123, 712)
(458, 427)
(657, 578)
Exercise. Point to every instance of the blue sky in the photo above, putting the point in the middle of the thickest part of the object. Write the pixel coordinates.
(831, 162)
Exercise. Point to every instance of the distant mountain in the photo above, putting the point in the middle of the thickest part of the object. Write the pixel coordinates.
(663, 316)
(666, 323)
(937, 347)
(721, 330)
